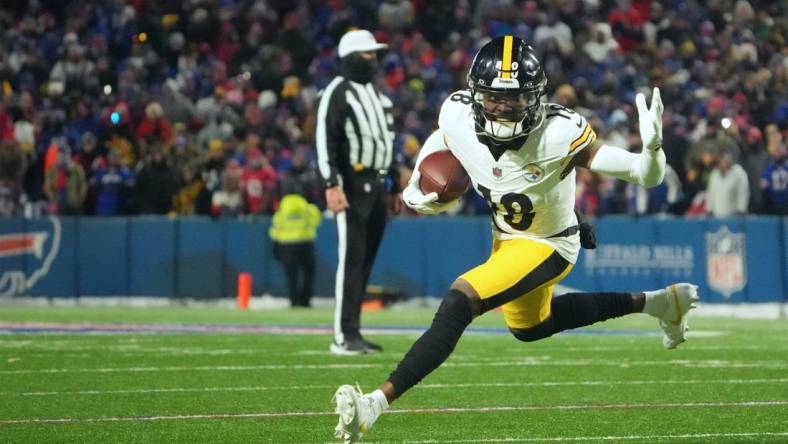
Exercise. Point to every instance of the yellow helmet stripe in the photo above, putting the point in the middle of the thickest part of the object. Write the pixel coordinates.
(506, 60)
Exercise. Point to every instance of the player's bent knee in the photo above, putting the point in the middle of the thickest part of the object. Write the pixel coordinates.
(463, 287)
(456, 305)
(544, 329)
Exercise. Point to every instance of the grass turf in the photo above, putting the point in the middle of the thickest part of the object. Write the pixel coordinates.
(729, 384)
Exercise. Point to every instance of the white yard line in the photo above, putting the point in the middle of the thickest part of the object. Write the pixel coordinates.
(593, 407)
(612, 383)
(539, 361)
(752, 404)
(421, 386)
(173, 390)
(187, 368)
(684, 436)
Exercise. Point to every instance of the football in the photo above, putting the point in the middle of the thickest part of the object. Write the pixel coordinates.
(442, 173)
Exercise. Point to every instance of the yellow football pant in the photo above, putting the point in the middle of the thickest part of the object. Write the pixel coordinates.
(519, 277)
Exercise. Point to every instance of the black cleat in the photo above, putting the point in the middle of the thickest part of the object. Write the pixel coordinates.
(371, 346)
(349, 347)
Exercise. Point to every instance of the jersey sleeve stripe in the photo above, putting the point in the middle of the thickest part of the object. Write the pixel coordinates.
(582, 139)
(588, 142)
(591, 140)
(582, 136)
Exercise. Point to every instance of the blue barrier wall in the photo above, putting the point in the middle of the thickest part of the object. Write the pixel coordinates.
(732, 260)
(736, 260)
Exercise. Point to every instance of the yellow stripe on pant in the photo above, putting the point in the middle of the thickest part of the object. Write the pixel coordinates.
(519, 276)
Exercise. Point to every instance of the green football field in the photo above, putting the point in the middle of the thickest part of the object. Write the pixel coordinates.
(214, 375)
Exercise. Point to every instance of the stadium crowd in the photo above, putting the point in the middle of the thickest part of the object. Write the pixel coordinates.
(208, 106)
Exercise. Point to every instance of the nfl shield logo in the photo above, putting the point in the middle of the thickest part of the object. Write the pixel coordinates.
(726, 269)
(497, 172)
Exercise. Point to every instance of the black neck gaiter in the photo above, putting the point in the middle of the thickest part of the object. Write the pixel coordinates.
(359, 69)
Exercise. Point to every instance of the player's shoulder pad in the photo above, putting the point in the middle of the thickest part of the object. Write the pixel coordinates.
(563, 118)
(568, 128)
(456, 106)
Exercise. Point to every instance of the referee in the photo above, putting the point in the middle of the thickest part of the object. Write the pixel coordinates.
(354, 139)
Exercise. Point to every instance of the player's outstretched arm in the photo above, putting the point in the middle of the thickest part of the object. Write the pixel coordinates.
(646, 168)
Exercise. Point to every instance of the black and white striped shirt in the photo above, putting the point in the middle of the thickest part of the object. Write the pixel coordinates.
(355, 130)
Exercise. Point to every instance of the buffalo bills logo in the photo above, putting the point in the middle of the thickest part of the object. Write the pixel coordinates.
(25, 257)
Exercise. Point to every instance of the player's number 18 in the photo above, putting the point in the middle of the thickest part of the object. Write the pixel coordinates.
(515, 208)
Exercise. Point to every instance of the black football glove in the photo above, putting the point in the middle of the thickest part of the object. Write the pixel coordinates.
(587, 231)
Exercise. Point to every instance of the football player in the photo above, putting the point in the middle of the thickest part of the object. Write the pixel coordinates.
(520, 154)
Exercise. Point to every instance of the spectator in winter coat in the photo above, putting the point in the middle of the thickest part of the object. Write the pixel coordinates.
(774, 182)
(13, 165)
(185, 199)
(258, 183)
(124, 147)
(301, 179)
(228, 201)
(754, 160)
(65, 185)
(704, 154)
(728, 191)
(113, 183)
(155, 128)
(156, 184)
(601, 43)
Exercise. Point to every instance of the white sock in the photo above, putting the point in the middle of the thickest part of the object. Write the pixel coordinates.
(656, 303)
(380, 397)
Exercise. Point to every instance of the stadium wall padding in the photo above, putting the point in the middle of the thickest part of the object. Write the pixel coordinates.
(733, 260)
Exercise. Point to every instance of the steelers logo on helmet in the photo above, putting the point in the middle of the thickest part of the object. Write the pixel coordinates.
(507, 82)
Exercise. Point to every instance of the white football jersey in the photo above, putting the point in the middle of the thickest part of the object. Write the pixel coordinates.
(523, 187)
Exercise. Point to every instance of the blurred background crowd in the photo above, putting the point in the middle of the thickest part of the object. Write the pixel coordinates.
(208, 106)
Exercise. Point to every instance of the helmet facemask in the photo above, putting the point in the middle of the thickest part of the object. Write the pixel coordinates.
(504, 115)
